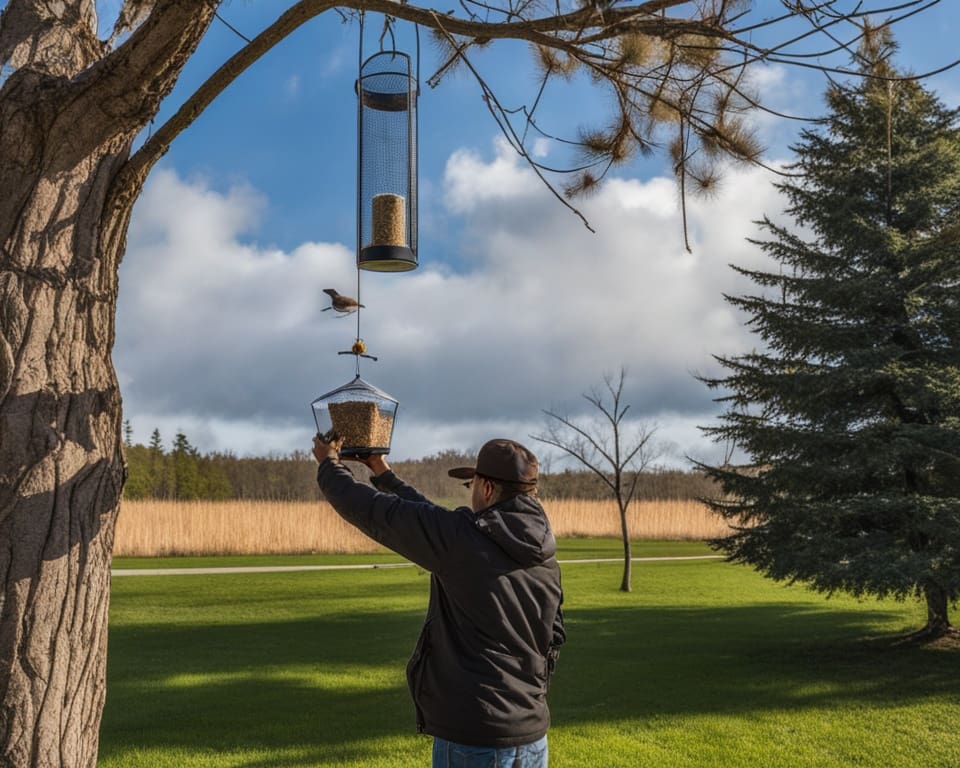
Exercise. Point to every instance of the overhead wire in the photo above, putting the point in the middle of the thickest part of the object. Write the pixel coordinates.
(232, 28)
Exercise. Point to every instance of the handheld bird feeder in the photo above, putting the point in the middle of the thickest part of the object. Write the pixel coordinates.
(387, 92)
(359, 413)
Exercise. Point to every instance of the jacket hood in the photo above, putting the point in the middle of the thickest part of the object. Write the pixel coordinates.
(519, 526)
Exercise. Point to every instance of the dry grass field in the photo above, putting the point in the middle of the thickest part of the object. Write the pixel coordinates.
(164, 528)
(657, 520)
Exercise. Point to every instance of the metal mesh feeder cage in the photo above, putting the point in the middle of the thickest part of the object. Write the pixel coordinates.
(387, 164)
(359, 413)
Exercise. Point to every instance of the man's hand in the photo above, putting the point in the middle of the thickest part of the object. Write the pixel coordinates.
(377, 462)
(323, 450)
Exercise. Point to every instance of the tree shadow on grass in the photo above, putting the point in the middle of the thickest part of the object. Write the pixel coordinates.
(646, 662)
(328, 690)
(319, 684)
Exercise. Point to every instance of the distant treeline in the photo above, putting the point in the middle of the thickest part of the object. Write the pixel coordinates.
(183, 473)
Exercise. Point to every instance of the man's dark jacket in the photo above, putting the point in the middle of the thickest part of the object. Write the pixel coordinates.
(480, 671)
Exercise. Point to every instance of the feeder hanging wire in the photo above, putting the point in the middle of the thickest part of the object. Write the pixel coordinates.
(359, 348)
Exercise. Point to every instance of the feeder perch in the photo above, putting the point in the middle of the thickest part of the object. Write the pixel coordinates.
(387, 164)
(359, 413)
(359, 349)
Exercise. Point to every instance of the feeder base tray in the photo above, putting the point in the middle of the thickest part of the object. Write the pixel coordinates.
(347, 452)
(387, 258)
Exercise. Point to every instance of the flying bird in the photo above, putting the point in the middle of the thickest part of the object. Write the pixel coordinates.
(344, 305)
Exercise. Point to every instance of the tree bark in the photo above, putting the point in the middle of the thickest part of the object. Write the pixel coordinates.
(938, 619)
(63, 470)
(66, 128)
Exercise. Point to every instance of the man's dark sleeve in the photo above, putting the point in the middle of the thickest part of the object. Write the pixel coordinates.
(412, 527)
(388, 482)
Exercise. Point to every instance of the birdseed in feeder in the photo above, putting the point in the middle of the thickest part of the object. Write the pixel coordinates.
(389, 220)
(361, 425)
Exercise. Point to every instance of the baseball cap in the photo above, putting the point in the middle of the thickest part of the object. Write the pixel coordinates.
(503, 460)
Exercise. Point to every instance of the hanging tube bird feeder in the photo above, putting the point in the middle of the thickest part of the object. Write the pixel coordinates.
(387, 163)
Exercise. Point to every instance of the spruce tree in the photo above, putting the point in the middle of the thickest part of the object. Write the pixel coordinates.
(186, 469)
(157, 476)
(850, 410)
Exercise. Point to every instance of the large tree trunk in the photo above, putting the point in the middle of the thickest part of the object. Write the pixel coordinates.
(67, 123)
(61, 463)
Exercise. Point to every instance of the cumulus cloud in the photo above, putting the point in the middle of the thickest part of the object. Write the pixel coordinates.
(214, 328)
(519, 308)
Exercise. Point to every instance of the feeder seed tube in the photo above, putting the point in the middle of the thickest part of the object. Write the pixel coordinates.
(361, 424)
(389, 220)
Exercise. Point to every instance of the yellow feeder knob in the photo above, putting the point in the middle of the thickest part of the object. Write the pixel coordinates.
(359, 347)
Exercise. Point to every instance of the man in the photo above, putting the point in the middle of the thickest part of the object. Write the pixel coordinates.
(480, 671)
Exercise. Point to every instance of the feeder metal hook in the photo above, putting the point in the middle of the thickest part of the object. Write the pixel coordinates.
(388, 30)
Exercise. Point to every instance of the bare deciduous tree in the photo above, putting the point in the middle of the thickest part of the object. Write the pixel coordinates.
(71, 107)
(615, 450)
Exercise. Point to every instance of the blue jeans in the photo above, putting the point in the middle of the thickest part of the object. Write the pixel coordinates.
(446, 754)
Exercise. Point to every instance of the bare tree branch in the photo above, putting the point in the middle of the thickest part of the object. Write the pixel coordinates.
(685, 70)
(585, 444)
(496, 110)
(577, 453)
(583, 433)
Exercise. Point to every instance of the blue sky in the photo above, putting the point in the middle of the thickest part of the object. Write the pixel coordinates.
(516, 307)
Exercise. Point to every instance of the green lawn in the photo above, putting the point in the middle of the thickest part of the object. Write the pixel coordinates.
(703, 664)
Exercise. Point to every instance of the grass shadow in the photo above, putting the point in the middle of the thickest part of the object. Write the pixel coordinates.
(289, 672)
(650, 662)
(317, 682)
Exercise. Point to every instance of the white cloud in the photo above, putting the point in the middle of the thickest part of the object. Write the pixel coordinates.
(470, 181)
(225, 339)
(210, 326)
(334, 61)
(292, 86)
(541, 148)
(241, 436)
